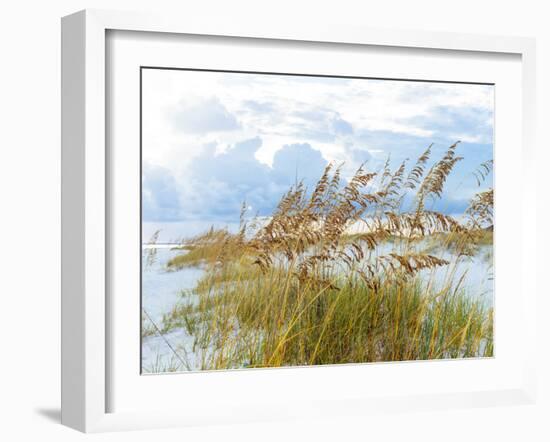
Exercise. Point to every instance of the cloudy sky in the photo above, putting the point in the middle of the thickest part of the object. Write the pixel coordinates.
(212, 140)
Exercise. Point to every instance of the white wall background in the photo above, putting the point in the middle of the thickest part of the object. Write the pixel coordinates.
(30, 219)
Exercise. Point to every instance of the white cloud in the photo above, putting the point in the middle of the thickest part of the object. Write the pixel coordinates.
(202, 116)
(198, 122)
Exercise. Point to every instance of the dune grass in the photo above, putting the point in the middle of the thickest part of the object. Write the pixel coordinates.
(271, 320)
(302, 290)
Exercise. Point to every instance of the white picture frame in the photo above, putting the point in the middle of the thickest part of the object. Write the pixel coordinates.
(86, 204)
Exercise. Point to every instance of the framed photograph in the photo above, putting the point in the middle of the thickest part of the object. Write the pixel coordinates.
(276, 222)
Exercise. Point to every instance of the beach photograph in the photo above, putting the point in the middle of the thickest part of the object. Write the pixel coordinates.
(304, 220)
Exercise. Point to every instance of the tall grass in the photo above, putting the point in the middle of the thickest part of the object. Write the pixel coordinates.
(310, 287)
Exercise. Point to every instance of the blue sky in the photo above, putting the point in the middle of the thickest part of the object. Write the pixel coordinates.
(212, 140)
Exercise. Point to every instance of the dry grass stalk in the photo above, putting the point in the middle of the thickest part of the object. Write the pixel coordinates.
(301, 289)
